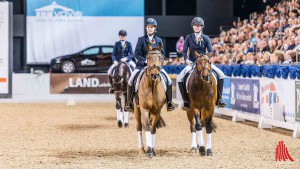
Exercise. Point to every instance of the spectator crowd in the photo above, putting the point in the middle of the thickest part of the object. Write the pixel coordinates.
(271, 37)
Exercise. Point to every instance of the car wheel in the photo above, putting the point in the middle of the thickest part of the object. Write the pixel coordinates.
(68, 67)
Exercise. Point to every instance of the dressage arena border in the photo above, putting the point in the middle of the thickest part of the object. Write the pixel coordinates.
(262, 121)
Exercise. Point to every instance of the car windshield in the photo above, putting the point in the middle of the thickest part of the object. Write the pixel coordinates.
(91, 51)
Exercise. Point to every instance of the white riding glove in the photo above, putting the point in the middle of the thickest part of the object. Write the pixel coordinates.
(115, 63)
(124, 59)
(189, 62)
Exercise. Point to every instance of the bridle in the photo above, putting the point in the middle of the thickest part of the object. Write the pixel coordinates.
(199, 72)
(158, 67)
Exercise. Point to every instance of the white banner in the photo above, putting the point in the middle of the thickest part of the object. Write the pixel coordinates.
(277, 99)
(63, 27)
(4, 47)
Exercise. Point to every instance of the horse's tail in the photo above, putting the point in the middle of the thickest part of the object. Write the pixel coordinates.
(160, 122)
(210, 124)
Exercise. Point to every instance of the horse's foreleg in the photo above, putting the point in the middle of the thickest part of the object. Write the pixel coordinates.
(199, 128)
(154, 119)
(119, 110)
(190, 115)
(146, 125)
(126, 113)
(137, 115)
(209, 128)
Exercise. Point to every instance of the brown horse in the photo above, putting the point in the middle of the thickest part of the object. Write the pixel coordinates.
(151, 98)
(120, 80)
(202, 92)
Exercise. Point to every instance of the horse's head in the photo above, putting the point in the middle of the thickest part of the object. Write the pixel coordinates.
(154, 57)
(119, 78)
(203, 67)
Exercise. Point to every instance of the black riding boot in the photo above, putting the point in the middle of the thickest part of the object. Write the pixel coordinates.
(129, 104)
(170, 104)
(111, 89)
(220, 101)
(185, 97)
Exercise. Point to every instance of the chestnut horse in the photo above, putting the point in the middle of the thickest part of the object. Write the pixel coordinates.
(151, 99)
(202, 91)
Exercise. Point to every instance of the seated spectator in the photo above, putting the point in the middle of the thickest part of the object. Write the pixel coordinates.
(278, 57)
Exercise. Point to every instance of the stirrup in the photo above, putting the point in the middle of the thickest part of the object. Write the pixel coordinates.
(111, 90)
(186, 106)
(221, 103)
(170, 106)
(129, 106)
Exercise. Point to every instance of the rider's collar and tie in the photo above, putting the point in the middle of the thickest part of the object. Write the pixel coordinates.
(150, 37)
(198, 35)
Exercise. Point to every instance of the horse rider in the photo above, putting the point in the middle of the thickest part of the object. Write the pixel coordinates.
(198, 42)
(140, 55)
(122, 53)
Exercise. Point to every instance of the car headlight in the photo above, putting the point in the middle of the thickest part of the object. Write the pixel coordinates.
(57, 60)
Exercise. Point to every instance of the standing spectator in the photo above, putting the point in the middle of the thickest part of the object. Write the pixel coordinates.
(179, 46)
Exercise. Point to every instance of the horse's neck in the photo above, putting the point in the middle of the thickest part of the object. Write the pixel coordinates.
(122, 70)
(146, 79)
(196, 81)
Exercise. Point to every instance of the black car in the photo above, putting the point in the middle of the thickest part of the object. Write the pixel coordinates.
(92, 59)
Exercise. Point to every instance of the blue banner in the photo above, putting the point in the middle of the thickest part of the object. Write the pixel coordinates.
(226, 92)
(86, 7)
(245, 95)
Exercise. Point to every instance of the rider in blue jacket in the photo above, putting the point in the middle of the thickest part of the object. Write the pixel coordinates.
(122, 53)
(200, 43)
(140, 54)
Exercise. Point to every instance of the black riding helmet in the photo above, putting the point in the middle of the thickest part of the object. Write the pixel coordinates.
(197, 21)
(122, 32)
(151, 21)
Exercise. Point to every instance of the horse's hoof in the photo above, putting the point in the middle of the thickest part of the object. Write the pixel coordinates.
(193, 150)
(141, 151)
(209, 152)
(126, 125)
(120, 124)
(149, 152)
(154, 153)
(202, 150)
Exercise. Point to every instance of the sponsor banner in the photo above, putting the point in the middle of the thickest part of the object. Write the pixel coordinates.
(62, 27)
(226, 92)
(277, 92)
(79, 84)
(285, 89)
(4, 47)
(245, 95)
(297, 98)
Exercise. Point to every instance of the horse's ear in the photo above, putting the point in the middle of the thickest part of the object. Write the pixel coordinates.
(159, 46)
(196, 54)
(149, 47)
